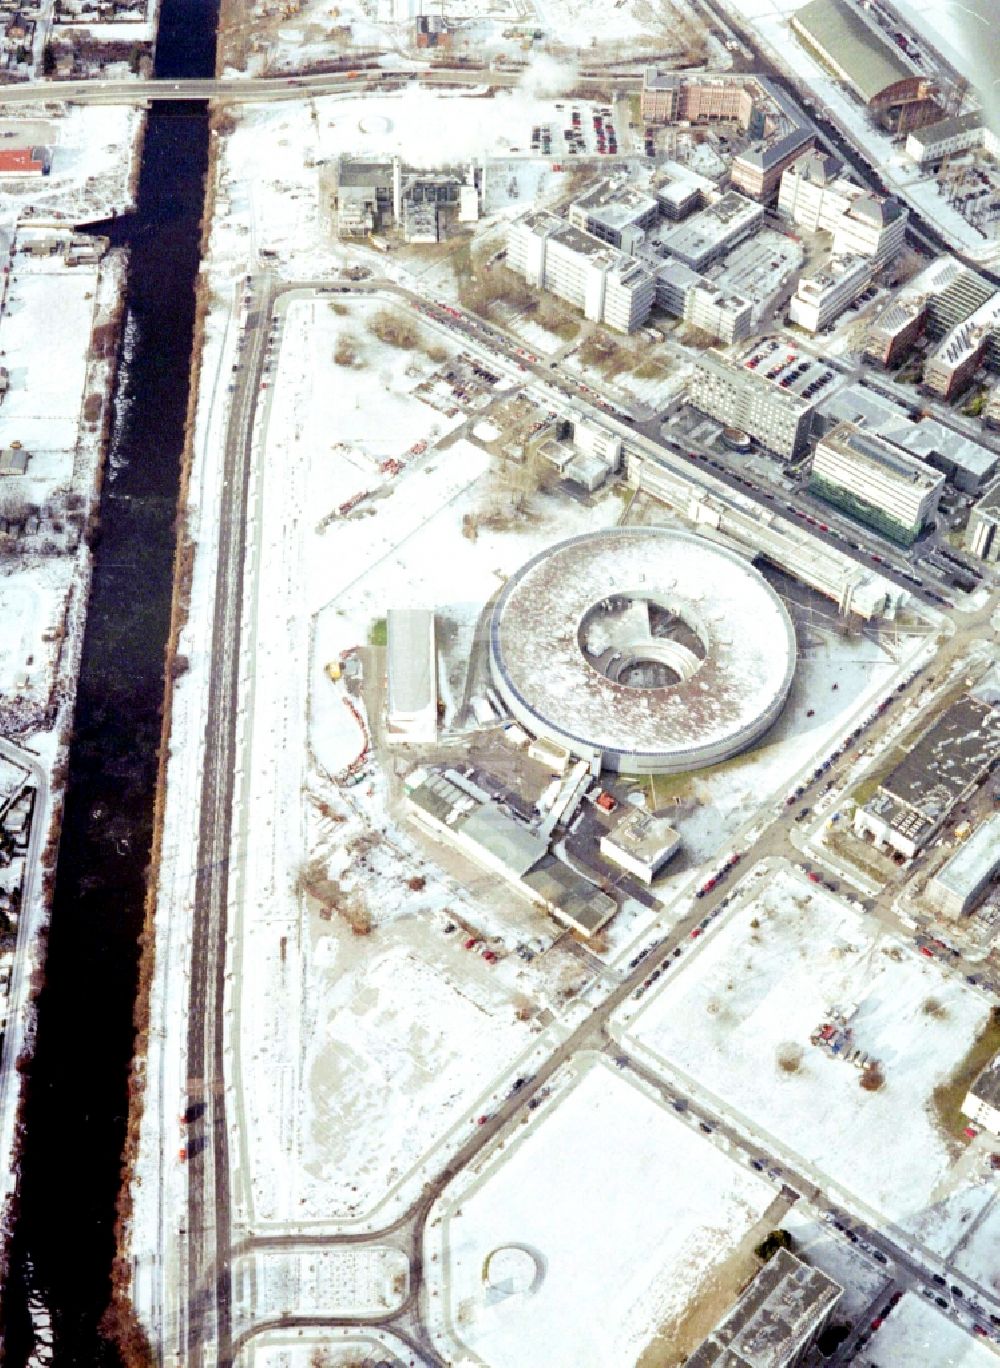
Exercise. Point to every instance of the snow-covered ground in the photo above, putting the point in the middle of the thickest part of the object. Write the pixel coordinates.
(628, 1213)
(736, 1021)
(917, 1333)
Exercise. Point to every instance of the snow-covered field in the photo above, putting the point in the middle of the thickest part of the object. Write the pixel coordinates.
(45, 333)
(627, 1211)
(737, 1018)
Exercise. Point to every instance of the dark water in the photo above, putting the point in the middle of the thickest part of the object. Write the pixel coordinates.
(77, 1094)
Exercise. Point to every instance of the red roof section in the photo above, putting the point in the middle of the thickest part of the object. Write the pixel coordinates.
(21, 159)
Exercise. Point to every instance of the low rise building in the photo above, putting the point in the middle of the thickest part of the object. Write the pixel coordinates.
(642, 843)
(821, 298)
(776, 1319)
(951, 137)
(943, 768)
(875, 482)
(982, 535)
(608, 286)
(411, 671)
(779, 419)
(893, 332)
(961, 881)
(16, 162)
(454, 808)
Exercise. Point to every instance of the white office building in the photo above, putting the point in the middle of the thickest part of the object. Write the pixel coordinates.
(729, 317)
(821, 298)
(875, 482)
(606, 285)
(816, 197)
(779, 419)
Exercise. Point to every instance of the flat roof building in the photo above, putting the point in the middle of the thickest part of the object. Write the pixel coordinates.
(709, 234)
(411, 693)
(775, 1320)
(960, 882)
(875, 482)
(554, 255)
(822, 297)
(642, 843)
(943, 768)
(615, 212)
(778, 418)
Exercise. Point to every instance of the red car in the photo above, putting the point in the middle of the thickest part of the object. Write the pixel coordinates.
(696, 933)
(926, 950)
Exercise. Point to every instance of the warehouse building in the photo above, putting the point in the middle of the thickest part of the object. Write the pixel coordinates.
(875, 482)
(847, 42)
(982, 535)
(821, 298)
(966, 463)
(411, 671)
(776, 1319)
(779, 418)
(960, 883)
(942, 769)
(606, 285)
(642, 843)
(615, 212)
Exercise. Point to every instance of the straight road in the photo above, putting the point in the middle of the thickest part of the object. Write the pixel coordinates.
(254, 89)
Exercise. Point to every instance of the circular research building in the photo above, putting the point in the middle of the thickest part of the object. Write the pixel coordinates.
(642, 650)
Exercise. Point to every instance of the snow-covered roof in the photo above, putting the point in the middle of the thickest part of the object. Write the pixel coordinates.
(748, 640)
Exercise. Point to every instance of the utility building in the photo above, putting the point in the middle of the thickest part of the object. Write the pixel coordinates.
(411, 706)
(642, 843)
